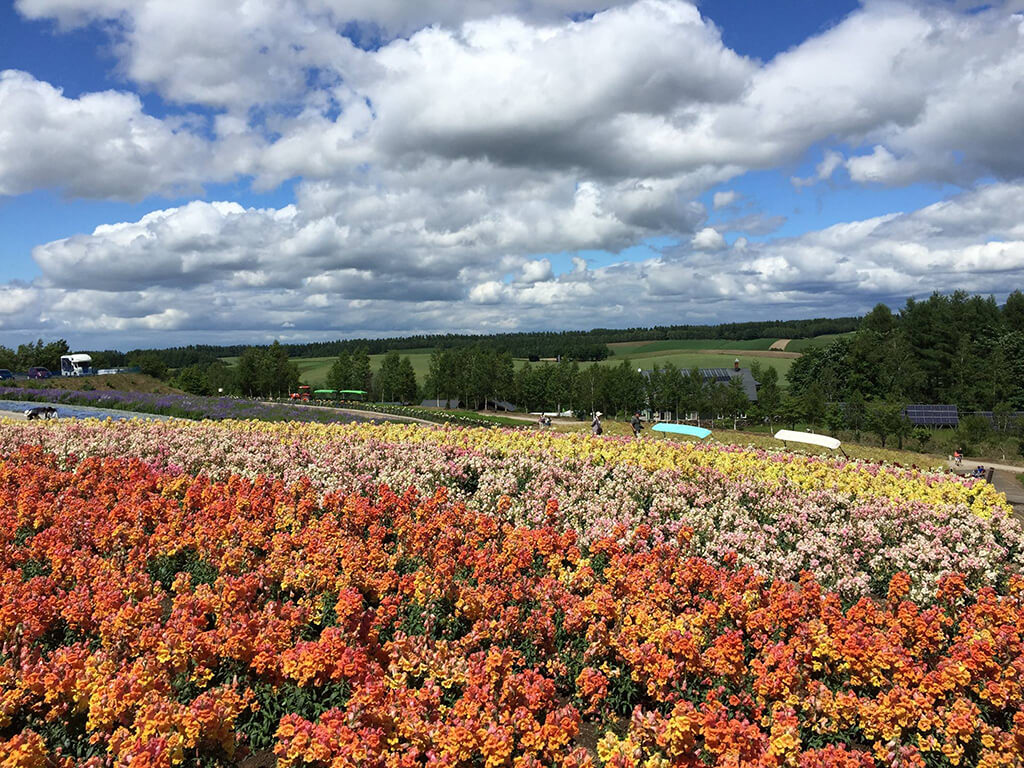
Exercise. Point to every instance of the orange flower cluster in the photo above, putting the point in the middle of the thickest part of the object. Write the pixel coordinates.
(154, 619)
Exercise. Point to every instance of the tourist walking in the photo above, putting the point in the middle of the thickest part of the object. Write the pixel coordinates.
(636, 424)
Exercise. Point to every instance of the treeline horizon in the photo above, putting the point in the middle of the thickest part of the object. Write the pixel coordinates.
(582, 346)
(957, 349)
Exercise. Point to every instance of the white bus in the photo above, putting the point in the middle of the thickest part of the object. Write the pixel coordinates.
(75, 365)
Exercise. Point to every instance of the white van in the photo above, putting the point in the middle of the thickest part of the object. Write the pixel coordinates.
(75, 365)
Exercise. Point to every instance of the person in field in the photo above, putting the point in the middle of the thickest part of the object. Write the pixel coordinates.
(636, 424)
(595, 425)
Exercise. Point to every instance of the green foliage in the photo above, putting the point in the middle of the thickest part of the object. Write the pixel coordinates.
(834, 419)
(259, 723)
(973, 431)
(581, 346)
(23, 534)
(769, 396)
(856, 413)
(30, 355)
(266, 372)
(30, 569)
(340, 375)
(813, 404)
(193, 380)
(164, 568)
(476, 375)
(958, 349)
(886, 420)
(150, 363)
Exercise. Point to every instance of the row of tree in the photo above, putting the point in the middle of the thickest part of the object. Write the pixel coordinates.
(582, 346)
(478, 374)
(45, 354)
(394, 382)
(957, 349)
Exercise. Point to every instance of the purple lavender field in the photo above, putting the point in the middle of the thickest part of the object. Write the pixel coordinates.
(182, 406)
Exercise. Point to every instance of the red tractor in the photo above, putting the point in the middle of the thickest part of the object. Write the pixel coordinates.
(302, 395)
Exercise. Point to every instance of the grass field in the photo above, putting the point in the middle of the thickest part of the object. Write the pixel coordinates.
(645, 354)
(634, 348)
(314, 369)
(687, 360)
(802, 345)
(684, 353)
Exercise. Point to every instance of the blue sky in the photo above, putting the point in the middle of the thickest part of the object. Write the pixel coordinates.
(175, 172)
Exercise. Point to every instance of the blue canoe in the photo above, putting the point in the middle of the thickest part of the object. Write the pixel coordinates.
(682, 429)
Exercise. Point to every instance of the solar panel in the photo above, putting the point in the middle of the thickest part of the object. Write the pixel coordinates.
(933, 415)
(718, 374)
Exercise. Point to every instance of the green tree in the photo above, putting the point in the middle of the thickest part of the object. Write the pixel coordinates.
(589, 387)
(1002, 417)
(769, 396)
(151, 364)
(41, 353)
(221, 378)
(855, 414)
(442, 380)
(973, 431)
(922, 436)
(885, 419)
(249, 372)
(1013, 312)
(362, 374)
(902, 427)
(504, 375)
(387, 383)
(736, 402)
(340, 375)
(791, 410)
(834, 419)
(192, 379)
(814, 405)
(8, 358)
(695, 394)
(407, 386)
(281, 376)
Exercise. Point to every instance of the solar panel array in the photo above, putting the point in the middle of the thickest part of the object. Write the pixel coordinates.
(718, 374)
(933, 415)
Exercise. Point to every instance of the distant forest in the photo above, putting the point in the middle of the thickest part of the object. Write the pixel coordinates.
(583, 346)
(958, 349)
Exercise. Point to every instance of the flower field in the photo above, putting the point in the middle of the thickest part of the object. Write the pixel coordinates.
(386, 596)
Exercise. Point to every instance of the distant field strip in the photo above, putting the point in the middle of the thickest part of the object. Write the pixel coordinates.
(632, 348)
(683, 353)
(802, 345)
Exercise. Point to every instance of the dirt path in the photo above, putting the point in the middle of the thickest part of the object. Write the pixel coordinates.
(1004, 479)
(780, 345)
(970, 464)
(1010, 485)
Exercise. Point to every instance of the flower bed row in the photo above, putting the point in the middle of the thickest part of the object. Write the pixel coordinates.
(151, 618)
(180, 406)
(438, 416)
(852, 531)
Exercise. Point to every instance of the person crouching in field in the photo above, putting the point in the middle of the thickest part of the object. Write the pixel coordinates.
(41, 412)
